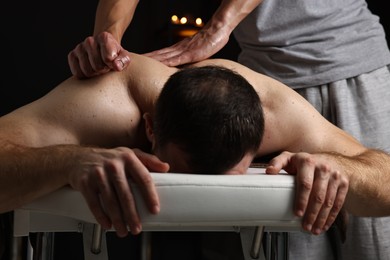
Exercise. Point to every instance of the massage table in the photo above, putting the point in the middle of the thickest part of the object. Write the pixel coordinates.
(258, 206)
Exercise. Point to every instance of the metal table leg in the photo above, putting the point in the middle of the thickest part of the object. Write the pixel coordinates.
(94, 240)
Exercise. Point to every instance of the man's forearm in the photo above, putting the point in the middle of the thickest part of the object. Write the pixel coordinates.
(114, 16)
(28, 173)
(369, 183)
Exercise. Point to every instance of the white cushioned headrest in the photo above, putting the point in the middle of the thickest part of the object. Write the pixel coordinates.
(197, 200)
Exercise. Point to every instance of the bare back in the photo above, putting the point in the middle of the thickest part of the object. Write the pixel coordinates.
(104, 111)
(114, 103)
(291, 123)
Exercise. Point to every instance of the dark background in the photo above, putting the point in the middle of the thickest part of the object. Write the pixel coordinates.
(36, 37)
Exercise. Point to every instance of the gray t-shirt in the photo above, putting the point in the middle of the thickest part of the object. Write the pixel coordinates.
(307, 43)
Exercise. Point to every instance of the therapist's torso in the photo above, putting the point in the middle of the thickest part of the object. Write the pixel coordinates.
(307, 43)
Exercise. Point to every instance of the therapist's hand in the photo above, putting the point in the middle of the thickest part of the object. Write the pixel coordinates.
(97, 55)
(200, 46)
(321, 188)
(102, 175)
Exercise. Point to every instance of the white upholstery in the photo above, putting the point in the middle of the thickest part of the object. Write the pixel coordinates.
(188, 202)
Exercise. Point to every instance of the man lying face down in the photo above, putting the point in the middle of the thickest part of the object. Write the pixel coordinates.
(95, 134)
(207, 120)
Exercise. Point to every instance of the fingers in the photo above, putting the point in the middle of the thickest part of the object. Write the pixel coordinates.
(123, 205)
(304, 186)
(319, 209)
(324, 215)
(121, 62)
(170, 56)
(152, 162)
(336, 194)
(111, 195)
(142, 177)
(199, 46)
(97, 55)
(104, 201)
(320, 189)
(111, 52)
(103, 179)
(85, 60)
(174, 57)
(164, 53)
(321, 192)
(170, 51)
(186, 51)
(94, 204)
(278, 163)
(325, 200)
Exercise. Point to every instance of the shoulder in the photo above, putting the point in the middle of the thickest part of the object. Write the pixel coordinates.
(144, 69)
(258, 81)
(71, 113)
(291, 123)
(145, 77)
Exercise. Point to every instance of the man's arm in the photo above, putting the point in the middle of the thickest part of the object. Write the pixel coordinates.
(101, 175)
(28, 173)
(338, 168)
(326, 160)
(331, 167)
(366, 173)
(52, 142)
(369, 178)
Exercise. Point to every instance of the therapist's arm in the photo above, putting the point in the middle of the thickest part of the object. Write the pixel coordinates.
(211, 38)
(114, 16)
(103, 52)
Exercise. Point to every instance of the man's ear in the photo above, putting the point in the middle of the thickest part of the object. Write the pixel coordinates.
(149, 127)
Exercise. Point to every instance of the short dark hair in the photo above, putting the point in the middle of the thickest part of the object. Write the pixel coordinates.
(213, 114)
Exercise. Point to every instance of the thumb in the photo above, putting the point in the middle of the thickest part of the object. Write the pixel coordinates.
(151, 162)
(121, 62)
(272, 169)
(278, 163)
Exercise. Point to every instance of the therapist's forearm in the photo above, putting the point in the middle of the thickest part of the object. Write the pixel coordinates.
(231, 12)
(114, 16)
(369, 183)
